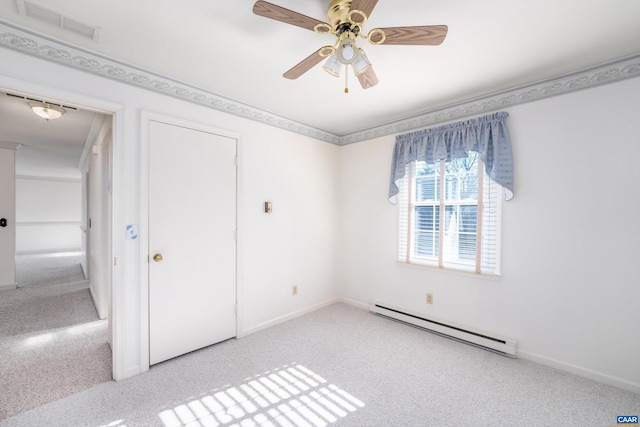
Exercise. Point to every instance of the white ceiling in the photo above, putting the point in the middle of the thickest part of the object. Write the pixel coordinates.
(49, 148)
(222, 47)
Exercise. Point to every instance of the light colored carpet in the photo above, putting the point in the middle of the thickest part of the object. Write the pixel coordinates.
(52, 343)
(345, 367)
(48, 269)
(41, 367)
(39, 308)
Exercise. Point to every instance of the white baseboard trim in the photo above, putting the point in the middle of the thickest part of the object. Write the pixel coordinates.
(8, 287)
(101, 316)
(358, 304)
(132, 371)
(285, 318)
(582, 372)
(48, 251)
(93, 298)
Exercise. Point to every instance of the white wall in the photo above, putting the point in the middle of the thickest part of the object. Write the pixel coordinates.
(7, 211)
(333, 232)
(48, 213)
(97, 226)
(571, 239)
(294, 245)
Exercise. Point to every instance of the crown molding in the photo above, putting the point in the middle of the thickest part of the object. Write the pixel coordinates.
(610, 72)
(34, 44)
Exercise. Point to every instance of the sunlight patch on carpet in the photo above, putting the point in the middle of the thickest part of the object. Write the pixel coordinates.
(47, 338)
(290, 396)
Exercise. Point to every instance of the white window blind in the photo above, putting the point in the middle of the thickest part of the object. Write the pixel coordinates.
(450, 215)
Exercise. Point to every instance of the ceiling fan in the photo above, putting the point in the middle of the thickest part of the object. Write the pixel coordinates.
(346, 19)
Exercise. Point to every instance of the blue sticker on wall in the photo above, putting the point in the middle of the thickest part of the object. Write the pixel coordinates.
(132, 232)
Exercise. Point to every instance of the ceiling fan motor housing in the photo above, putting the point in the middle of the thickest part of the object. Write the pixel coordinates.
(342, 18)
(338, 12)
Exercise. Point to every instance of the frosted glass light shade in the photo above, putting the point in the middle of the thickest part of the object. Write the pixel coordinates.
(361, 63)
(332, 66)
(346, 51)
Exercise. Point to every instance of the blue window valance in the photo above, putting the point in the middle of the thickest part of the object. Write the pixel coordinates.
(487, 135)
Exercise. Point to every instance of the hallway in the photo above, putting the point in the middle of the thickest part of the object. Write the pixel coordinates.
(52, 343)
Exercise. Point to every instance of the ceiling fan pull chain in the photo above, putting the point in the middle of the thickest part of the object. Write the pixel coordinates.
(346, 79)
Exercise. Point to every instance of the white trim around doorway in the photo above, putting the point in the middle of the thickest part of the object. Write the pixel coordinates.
(145, 118)
(29, 89)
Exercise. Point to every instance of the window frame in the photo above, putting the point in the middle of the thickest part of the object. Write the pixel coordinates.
(489, 207)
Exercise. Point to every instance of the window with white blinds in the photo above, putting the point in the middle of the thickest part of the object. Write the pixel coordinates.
(450, 216)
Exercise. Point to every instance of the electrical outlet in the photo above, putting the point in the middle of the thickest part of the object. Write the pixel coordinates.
(429, 298)
(294, 290)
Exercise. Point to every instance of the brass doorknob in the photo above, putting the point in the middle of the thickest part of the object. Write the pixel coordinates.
(157, 257)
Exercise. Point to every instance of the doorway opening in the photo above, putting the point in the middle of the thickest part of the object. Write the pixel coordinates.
(55, 325)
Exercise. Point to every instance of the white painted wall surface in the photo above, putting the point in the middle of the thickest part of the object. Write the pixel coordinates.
(97, 253)
(294, 245)
(7, 211)
(48, 211)
(571, 239)
(333, 226)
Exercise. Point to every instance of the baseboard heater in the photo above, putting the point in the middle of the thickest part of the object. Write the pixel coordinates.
(495, 343)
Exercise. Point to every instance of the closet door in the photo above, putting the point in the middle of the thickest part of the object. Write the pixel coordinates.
(192, 246)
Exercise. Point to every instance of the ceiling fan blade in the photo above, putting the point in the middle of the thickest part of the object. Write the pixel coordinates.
(430, 35)
(368, 78)
(279, 13)
(305, 65)
(365, 6)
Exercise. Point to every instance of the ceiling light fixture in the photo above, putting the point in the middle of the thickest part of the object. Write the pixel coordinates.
(346, 20)
(361, 63)
(346, 52)
(46, 110)
(332, 66)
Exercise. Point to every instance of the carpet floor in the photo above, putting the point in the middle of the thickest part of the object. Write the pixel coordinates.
(52, 343)
(341, 366)
(48, 269)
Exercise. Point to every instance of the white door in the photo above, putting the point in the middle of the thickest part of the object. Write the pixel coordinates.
(192, 247)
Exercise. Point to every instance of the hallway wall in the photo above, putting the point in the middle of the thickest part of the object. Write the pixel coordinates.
(48, 210)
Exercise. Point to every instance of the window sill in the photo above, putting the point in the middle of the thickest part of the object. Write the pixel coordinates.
(492, 277)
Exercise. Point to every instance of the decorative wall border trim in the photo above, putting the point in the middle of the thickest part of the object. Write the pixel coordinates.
(610, 72)
(22, 40)
(25, 41)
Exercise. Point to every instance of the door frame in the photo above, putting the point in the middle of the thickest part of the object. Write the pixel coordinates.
(116, 111)
(146, 117)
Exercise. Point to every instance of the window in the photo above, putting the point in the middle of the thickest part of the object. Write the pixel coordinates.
(450, 215)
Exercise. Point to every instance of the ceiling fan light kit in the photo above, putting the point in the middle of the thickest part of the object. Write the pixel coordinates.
(346, 51)
(361, 64)
(332, 66)
(346, 19)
